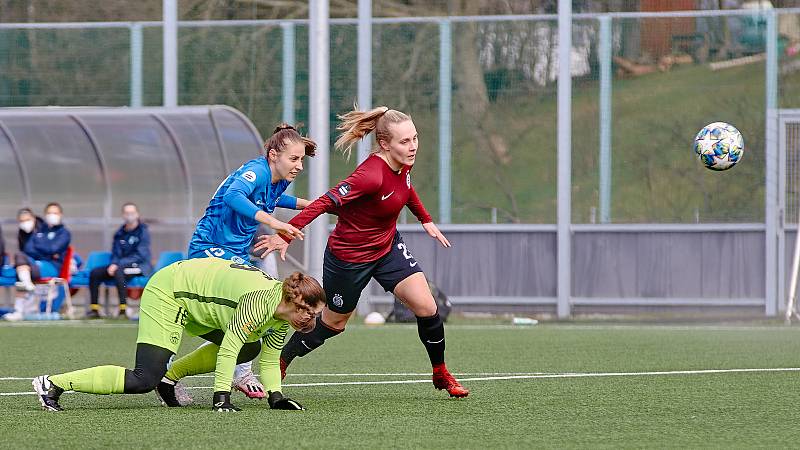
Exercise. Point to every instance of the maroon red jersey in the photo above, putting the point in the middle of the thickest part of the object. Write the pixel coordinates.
(368, 203)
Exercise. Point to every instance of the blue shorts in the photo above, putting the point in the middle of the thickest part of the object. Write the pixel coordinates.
(217, 252)
(46, 269)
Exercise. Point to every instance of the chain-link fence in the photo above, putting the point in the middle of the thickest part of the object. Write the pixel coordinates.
(664, 76)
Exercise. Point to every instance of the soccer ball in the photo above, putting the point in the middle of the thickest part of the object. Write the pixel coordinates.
(719, 146)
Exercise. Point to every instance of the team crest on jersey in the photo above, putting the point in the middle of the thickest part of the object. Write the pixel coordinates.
(338, 301)
(249, 176)
(344, 189)
(248, 328)
(237, 260)
(408, 179)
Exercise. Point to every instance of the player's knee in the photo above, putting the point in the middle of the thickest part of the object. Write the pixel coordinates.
(140, 381)
(427, 324)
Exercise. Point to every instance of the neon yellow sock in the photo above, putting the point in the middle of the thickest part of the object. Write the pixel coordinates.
(202, 360)
(94, 380)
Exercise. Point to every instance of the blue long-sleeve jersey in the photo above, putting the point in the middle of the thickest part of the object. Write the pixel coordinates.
(229, 222)
(131, 248)
(48, 243)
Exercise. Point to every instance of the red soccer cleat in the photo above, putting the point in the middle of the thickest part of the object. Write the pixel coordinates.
(443, 380)
(284, 365)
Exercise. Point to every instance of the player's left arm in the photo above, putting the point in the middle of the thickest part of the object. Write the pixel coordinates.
(418, 209)
(289, 202)
(269, 363)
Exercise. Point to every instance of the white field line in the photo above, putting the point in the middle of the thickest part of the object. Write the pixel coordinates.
(518, 377)
(395, 327)
(396, 374)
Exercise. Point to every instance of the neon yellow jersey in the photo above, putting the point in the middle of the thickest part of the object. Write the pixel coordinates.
(238, 299)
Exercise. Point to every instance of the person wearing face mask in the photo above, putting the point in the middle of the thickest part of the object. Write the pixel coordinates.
(42, 245)
(27, 222)
(130, 257)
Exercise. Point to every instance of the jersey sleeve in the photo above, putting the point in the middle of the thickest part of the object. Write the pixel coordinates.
(252, 312)
(417, 208)
(287, 201)
(360, 183)
(237, 197)
(269, 362)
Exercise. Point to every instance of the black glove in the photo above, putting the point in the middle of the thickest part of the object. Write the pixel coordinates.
(222, 402)
(278, 401)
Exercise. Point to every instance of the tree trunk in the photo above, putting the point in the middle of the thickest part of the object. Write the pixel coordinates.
(473, 100)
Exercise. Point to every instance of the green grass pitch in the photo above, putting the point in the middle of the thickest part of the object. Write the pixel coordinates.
(639, 408)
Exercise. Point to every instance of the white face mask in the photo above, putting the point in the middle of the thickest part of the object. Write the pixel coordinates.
(130, 218)
(27, 225)
(52, 219)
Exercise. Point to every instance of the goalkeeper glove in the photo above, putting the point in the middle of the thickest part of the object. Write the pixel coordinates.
(222, 402)
(278, 401)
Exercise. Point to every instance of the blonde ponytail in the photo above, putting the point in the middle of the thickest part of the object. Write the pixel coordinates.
(355, 125)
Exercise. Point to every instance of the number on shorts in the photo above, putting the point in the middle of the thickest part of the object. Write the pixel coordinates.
(406, 253)
(216, 251)
(181, 316)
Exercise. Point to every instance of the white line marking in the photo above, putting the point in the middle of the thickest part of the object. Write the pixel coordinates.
(517, 377)
(396, 374)
(110, 323)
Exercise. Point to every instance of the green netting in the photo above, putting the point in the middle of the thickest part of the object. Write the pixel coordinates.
(504, 105)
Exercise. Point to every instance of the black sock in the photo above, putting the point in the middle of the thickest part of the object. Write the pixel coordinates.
(301, 344)
(431, 333)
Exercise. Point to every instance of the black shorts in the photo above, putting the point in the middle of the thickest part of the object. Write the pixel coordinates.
(343, 281)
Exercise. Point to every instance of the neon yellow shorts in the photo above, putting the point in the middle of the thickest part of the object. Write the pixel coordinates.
(162, 317)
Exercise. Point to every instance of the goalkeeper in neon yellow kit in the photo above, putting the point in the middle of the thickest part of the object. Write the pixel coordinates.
(235, 306)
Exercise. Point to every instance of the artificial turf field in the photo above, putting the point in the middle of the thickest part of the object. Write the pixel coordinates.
(627, 401)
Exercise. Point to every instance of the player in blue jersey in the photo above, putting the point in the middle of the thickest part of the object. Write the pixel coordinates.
(244, 200)
(249, 195)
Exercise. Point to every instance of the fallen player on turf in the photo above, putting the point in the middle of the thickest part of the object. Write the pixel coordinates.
(238, 308)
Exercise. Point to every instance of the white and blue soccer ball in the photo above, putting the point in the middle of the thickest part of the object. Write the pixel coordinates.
(719, 146)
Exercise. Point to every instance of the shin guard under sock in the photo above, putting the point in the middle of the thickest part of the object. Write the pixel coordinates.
(301, 344)
(431, 333)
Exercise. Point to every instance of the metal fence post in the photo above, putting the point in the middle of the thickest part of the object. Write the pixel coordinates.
(564, 213)
(445, 125)
(604, 55)
(288, 70)
(364, 68)
(775, 264)
(319, 110)
(136, 65)
(170, 39)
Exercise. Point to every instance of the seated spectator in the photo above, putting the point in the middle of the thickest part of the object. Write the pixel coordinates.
(27, 222)
(130, 257)
(42, 246)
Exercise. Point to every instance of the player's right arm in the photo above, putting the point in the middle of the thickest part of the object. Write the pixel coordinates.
(360, 183)
(418, 209)
(250, 313)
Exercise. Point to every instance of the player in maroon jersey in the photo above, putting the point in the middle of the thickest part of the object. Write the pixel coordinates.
(366, 244)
